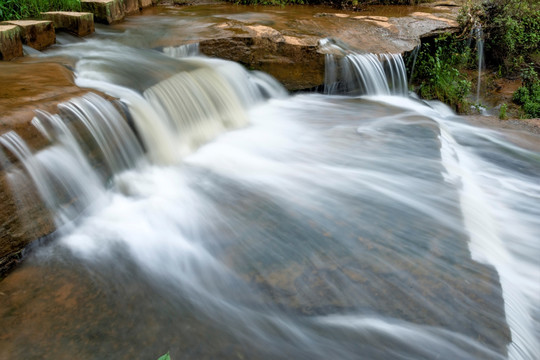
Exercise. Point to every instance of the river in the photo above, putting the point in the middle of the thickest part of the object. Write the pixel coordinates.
(228, 219)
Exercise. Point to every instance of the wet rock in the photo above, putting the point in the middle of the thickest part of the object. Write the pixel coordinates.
(294, 61)
(35, 33)
(77, 23)
(25, 87)
(105, 11)
(10, 42)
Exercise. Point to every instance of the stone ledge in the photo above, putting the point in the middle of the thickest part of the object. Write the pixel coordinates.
(37, 34)
(10, 42)
(77, 23)
(105, 11)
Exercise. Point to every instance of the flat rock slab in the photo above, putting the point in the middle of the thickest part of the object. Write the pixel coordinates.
(78, 23)
(105, 11)
(10, 42)
(38, 34)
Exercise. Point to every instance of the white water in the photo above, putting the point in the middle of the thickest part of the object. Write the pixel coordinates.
(307, 226)
(359, 74)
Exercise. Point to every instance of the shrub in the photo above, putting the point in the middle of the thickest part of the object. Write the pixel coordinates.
(512, 29)
(437, 70)
(529, 94)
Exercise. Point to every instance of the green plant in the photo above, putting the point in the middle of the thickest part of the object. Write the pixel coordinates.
(502, 112)
(167, 356)
(20, 9)
(438, 74)
(528, 95)
(512, 29)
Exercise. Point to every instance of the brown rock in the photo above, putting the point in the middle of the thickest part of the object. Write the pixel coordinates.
(10, 42)
(77, 23)
(25, 87)
(105, 11)
(145, 3)
(131, 6)
(35, 33)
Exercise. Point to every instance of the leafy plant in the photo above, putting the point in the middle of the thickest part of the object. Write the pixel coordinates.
(502, 112)
(528, 96)
(167, 356)
(438, 72)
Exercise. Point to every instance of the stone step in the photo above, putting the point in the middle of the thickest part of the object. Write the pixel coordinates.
(37, 34)
(77, 23)
(105, 11)
(10, 42)
(145, 3)
(131, 6)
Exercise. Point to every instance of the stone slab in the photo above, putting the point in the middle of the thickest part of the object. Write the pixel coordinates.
(10, 42)
(105, 11)
(145, 3)
(77, 23)
(131, 6)
(38, 34)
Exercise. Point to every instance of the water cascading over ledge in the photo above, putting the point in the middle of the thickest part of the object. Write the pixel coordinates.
(352, 73)
(92, 143)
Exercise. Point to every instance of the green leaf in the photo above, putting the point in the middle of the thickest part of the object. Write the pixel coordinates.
(167, 356)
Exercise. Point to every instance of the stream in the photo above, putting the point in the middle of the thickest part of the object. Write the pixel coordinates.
(229, 219)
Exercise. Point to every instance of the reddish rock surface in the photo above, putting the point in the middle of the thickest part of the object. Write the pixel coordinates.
(25, 87)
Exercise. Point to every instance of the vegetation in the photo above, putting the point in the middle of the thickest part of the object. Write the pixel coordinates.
(528, 96)
(438, 69)
(21, 9)
(511, 30)
(167, 356)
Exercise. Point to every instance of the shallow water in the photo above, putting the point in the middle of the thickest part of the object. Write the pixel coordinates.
(307, 227)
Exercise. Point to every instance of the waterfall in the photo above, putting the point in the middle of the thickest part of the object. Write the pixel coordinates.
(369, 74)
(182, 50)
(197, 105)
(92, 142)
(479, 35)
(349, 72)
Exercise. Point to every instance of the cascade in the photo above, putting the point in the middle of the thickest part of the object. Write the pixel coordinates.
(182, 51)
(287, 237)
(369, 74)
(479, 36)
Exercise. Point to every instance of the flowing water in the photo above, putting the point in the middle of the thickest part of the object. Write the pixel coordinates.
(227, 219)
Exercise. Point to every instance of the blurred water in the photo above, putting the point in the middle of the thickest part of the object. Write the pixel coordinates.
(307, 227)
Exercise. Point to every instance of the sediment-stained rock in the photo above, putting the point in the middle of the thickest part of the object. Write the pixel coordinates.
(10, 42)
(38, 34)
(77, 23)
